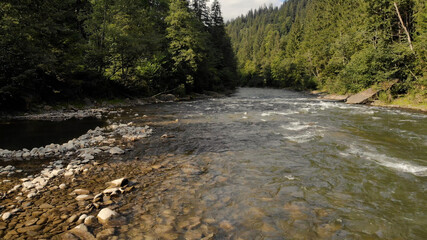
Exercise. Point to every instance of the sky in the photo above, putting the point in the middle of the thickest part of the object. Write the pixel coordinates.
(234, 8)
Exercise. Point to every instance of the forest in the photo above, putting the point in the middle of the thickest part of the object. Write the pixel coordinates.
(59, 50)
(339, 46)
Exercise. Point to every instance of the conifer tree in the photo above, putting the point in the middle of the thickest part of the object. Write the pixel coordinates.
(186, 44)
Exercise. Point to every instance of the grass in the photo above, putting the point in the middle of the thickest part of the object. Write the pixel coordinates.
(416, 101)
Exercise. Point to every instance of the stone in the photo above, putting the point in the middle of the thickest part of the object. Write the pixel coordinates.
(31, 222)
(6, 216)
(82, 232)
(62, 186)
(42, 221)
(112, 191)
(121, 182)
(105, 234)
(105, 215)
(84, 197)
(82, 218)
(226, 225)
(72, 219)
(98, 197)
(116, 151)
(90, 221)
(28, 185)
(167, 97)
(46, 206)
(3, 225)
(34, 228)
(68, 236)
(81, 192)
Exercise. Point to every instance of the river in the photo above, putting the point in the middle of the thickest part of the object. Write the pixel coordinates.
(277, 164)
(284, 165)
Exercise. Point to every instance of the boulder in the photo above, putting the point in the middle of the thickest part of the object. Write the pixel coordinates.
(167, 98)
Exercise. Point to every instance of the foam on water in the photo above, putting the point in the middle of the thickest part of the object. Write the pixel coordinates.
(296, 126)
(390, 162)
(267, 114)
(302, 138)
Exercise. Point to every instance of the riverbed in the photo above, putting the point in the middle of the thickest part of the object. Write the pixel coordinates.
(269, 164)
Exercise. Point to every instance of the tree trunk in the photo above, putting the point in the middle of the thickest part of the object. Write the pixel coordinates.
(404, 27)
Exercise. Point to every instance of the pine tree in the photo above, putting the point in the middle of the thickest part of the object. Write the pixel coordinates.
(186, 43)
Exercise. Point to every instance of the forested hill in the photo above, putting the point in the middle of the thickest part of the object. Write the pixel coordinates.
(63, 49)
(337, 45)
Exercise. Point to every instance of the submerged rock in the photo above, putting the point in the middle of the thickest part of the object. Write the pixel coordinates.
(82, 232)
(105, 234)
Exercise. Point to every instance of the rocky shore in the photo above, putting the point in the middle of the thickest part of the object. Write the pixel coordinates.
(34, 205)
(100, 109)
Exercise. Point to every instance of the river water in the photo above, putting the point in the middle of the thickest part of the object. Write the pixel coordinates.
(276, 164)
(272, 164)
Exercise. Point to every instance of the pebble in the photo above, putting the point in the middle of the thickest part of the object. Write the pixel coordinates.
(90, 221)
(84, 197)
(82, 218)
(82, 232)
(116, 151)
(81, 192)
(31, 222)
(106, 215)
(6, 216)
(72, 219)
(46, 206)
(105, 234)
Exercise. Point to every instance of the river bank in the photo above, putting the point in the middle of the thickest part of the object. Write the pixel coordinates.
(405, 102)
(59, 194)
(99, 108)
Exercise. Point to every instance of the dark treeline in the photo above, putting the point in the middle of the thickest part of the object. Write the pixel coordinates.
(59, 50)
(336, 45)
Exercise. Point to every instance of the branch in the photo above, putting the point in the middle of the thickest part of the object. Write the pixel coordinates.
(404, 27)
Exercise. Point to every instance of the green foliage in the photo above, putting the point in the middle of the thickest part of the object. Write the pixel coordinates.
(60, 49)
(339, 45)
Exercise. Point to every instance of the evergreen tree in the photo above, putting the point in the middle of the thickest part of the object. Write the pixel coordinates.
(186, 43)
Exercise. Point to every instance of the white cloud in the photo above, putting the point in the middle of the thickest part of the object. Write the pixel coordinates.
(234, 8)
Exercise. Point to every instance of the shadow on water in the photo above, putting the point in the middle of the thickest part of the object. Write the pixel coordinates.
(29, 134)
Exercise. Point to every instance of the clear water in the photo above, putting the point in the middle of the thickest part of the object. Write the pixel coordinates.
(284, 165)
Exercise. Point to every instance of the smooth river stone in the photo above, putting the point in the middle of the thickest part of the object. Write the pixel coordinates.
(106, 215)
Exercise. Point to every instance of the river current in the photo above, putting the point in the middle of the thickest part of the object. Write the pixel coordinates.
(277, 164)
(266, 164)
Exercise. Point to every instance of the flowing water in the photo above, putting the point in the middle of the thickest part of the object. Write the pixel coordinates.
(275, 164)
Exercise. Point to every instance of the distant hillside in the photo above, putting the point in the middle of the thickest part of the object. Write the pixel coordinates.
(336, 45)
